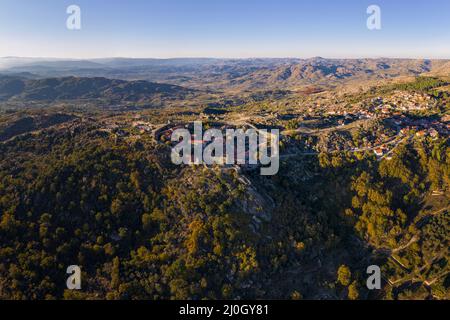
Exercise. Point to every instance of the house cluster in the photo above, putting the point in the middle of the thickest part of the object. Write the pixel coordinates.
(403, 101)
(166, 133)
(381, 151)
(422, 127)
(352, 116)
(142, 126)
(365, 114)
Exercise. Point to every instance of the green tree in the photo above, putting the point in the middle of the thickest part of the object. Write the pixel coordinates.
(344, 275)
(353, 292)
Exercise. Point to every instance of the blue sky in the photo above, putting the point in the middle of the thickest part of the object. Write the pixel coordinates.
(225, 28)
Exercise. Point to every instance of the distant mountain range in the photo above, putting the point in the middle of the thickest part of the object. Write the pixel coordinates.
(228, 74)
(75, 88)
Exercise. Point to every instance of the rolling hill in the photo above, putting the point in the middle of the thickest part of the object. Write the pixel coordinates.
(73, 88)
(232, 74)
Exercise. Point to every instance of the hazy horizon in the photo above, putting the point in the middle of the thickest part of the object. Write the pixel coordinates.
(222, 58)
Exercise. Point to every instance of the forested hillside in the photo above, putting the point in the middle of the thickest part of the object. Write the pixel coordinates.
(74, 88)
(142, 228)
